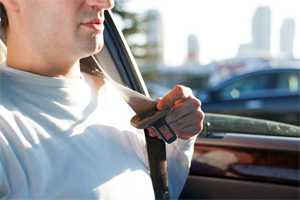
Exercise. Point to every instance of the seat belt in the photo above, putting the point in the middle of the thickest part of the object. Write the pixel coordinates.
(156, 148)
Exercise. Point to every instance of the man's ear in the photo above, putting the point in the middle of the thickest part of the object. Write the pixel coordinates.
(12, 5)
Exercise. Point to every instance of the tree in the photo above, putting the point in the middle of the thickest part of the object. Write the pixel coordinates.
(130, 26)
(135, 27)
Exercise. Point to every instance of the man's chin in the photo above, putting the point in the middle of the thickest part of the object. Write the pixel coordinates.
(92, 51)
(92, 45)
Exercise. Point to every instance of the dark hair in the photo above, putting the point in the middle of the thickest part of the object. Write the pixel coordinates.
(3, 16)
(3, 22)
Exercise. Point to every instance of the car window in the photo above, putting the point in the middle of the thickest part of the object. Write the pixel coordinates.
(252, 85)
(200, 44)
(289, 82)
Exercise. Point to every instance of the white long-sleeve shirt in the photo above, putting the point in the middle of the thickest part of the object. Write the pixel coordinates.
(66, 139)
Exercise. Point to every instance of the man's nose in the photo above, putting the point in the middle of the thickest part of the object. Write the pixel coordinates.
(101, 4)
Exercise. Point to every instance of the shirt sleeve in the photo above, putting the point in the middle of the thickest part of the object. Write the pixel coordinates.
(4, 186)
(179, 156)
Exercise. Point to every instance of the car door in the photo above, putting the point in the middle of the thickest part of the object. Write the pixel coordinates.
(233, 157)
(244, 164)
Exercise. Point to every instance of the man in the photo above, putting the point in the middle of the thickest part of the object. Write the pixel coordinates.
(58, 138)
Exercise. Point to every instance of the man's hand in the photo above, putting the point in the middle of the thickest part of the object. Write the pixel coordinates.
(186, 117)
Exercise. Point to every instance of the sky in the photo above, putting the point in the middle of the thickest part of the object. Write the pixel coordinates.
(220, 25)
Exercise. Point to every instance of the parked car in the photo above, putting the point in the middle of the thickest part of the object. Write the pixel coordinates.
(272, 94)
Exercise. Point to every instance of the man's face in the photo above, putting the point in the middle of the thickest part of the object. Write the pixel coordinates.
(71, 28)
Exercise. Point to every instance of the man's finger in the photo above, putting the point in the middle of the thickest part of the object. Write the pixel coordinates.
(183, 109)
(179, 92)
(189, 125)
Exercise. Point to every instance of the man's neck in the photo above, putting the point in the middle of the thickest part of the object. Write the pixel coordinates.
(53, 64)
(72, 71)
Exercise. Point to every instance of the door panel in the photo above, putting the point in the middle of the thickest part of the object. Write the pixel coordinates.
(244, 166)
(202, 187)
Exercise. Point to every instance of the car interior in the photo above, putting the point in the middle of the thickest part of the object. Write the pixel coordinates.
(225, 164)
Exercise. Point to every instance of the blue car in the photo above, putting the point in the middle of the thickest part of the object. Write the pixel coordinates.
(272, 94)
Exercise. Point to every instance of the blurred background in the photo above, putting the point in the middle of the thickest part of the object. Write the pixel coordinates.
(239, 57)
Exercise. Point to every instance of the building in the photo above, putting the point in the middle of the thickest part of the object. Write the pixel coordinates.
(155, 38)
(287, 37)
(260, 44)
(193, 50)
(261, 31)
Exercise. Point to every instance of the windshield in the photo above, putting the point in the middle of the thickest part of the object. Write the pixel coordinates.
(203, 43)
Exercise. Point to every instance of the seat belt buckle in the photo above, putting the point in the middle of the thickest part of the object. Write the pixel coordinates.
(157, 120)
(164, 130)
